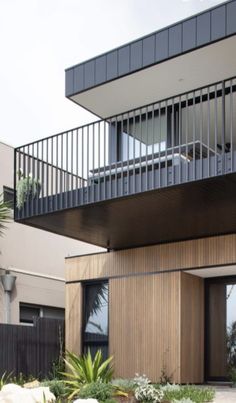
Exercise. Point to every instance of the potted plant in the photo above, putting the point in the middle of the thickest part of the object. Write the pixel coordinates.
(26, 187)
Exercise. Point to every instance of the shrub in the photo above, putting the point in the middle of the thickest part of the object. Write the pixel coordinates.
(141, 380)
(56, 386)
(197, 395)
(127, 385)
(96, 390)
(148, 393)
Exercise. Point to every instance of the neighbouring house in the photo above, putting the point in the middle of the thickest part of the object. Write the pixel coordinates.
(154, 182)
(35, 257)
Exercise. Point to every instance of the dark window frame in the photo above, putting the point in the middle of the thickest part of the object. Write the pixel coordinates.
(85, 344)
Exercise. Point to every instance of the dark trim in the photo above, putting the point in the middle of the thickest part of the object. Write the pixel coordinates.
(87, 254)
(207, 282)
(99, 279)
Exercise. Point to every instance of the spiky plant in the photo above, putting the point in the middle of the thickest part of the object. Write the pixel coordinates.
(84, 370)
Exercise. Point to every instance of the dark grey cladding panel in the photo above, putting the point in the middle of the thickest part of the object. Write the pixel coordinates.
(79, 78)
(148, 50)
(175, 40)
(189, 34)
(136, 55)
(161, 45)
(89, 74)
(100, 70)
(112, 65)
(218, 20)
(69, 82)
(124, 60)
(202, 29)
(231, 18)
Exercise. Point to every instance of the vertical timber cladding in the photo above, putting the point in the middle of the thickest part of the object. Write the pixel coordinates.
(144, 325)
(162, 311)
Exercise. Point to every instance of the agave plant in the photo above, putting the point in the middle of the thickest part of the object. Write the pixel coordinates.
(5, 378)
(84, 370)
(5, 214)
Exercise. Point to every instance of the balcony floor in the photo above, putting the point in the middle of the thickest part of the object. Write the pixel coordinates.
(191, 210)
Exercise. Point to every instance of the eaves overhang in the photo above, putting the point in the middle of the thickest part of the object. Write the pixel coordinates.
(191, 53)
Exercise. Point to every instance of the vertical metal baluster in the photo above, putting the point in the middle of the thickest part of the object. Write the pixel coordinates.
(67, 170)
(134, 156)
(186, 138)
(201, 134)
(223, 128)
(88, 179)
(128, 159)
(194, 135)
(77, 169)
(231, 125)
(215, 131)
(15, 178)
(28, 190)
(122, 156)
(52, 175)
(61, 173)
(72, 167)
(159, 148)
(180, 138)
(140, 148)
(37, 176)
(56, 176)
(173, 138)
(34, 179)
(166, 156)
(146, 156)
(208, 130)
(153, 132)
(99, 162)
(47, 176)
(104, 168)
(116, 156)
(85, 183)
(93, 145)
(43, 175)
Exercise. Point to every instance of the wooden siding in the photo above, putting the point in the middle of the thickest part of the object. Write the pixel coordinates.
(192, 329)
(144, 325)
(73, 317)
(203, 252)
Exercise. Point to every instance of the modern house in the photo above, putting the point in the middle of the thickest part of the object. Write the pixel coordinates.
(36, 260)
(154, 182)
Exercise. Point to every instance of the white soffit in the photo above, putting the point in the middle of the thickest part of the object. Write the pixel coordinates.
(214, 271)
(175, 76)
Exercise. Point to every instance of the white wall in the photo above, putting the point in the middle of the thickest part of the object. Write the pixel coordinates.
(33, 250)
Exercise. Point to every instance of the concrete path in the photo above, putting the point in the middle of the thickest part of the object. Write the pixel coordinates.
(225, 395)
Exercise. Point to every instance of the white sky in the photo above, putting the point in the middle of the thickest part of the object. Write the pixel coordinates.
(40, 38)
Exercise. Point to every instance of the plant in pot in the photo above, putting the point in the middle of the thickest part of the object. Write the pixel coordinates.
(26, 187)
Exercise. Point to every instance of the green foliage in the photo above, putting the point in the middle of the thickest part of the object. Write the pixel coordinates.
(127, 385)
(26, 187)
(97, 390)
(83, 370)
(21, 379)
(232, 375)
(165, 378)
(5, 378)
(56, 386)
(197, 395)
(5, 214)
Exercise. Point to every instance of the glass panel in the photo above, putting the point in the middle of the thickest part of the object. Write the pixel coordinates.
(96, 312)
(231, 326)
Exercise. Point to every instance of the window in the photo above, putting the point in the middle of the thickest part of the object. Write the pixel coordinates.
(30, 312)
(8, 196)
(95, 329)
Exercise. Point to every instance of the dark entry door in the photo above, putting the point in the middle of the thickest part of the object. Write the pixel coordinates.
(220, 351)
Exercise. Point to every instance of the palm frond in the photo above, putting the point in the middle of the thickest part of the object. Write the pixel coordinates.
(5, 214)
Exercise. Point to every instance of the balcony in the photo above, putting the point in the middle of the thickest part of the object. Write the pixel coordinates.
(159, 173)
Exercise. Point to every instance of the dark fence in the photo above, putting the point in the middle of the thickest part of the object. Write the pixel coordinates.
(31, 350)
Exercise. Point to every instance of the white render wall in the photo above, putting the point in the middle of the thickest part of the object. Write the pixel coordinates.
(30, 249)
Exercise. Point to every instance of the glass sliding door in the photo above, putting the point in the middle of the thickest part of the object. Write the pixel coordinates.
(220, 327)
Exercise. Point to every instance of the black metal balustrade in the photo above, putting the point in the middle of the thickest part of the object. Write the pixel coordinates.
(189, 137)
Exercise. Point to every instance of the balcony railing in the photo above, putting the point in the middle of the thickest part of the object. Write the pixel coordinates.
(185, 138)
